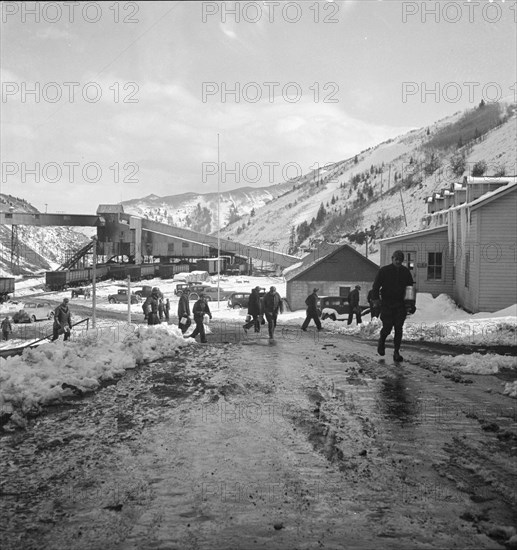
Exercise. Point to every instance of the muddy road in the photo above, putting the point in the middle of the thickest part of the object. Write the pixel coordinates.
(313, 442)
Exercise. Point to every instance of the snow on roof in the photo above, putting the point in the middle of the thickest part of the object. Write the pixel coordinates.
(490, 179)
(419, 233)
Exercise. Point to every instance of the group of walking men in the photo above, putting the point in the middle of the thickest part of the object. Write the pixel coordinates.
(268, 306)
(386, 297)
(199, 311)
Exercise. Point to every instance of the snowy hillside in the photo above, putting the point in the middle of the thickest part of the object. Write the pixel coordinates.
(384, 187)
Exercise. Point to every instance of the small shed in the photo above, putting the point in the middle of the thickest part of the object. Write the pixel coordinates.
(334, 273)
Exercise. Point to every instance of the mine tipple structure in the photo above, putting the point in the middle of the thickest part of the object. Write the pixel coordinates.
(121, 234)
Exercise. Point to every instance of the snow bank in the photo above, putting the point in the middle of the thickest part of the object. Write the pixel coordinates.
(441, 320)
(37, 376)
(475, 363)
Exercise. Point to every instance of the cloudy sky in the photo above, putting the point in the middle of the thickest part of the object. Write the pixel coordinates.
(103, 102)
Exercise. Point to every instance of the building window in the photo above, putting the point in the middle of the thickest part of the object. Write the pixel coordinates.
(184, 244)
(467, 269)
(344, 291)
(434, 266)
(170, 248)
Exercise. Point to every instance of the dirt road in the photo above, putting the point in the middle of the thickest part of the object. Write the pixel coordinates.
(313, 442)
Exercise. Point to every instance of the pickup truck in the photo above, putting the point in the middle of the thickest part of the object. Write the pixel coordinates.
(121, 297)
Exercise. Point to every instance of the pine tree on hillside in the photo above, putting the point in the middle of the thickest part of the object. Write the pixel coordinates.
(320, 216)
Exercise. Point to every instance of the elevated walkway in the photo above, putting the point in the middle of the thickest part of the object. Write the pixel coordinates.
(42, 220)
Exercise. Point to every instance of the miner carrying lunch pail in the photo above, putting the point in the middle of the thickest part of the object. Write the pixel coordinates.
(393, 287)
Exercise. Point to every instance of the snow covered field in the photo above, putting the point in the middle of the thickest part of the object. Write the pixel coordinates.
(51, 372)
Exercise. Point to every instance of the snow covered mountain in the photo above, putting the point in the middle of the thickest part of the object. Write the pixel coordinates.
(377, 193)
(199, 211)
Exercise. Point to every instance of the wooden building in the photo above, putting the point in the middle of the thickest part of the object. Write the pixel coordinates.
(469, 248)
(334, 270)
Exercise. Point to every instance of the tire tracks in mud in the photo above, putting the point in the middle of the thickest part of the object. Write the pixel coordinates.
(477, 472)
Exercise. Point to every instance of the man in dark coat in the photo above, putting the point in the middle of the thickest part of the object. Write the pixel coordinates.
(312, 310)
(353, 306)
(167, 308)
(62, 321)
(374, 310)
(152, 307)
(272, 305)
(390, 287)
(199, 310)
(254, 310)
(6, 328)
(184, 311)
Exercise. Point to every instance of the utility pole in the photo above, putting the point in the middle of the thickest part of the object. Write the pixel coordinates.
(218, 223)
(129, 299)
(403, 209)
(94, 285)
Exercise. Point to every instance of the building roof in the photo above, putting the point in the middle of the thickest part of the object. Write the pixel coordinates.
(110, 209)
(320, 255)
(491, 195)
(413, 234)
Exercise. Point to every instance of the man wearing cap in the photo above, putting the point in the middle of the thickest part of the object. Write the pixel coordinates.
(272, 305)
(199, 310)
(390, 286)
(312, 310)
(62, 321)
(353, 305)
(184, 311)
(254, 310)
(152, 307)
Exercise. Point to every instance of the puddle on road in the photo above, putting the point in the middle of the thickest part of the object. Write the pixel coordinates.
(395, 401)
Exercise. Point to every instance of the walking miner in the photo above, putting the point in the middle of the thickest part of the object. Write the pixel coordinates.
(62, 321)
(184, 312)
(199, 310)
(353, 304)
(272, 306)
(312, 310)
(390, 286)
(6, 328)
(254, 310)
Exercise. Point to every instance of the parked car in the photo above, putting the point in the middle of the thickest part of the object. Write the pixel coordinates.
(180, 287)
(336, 308)
(237, 300)
(144, 292)
(121, 297)
(211, 293)
(32, 312)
